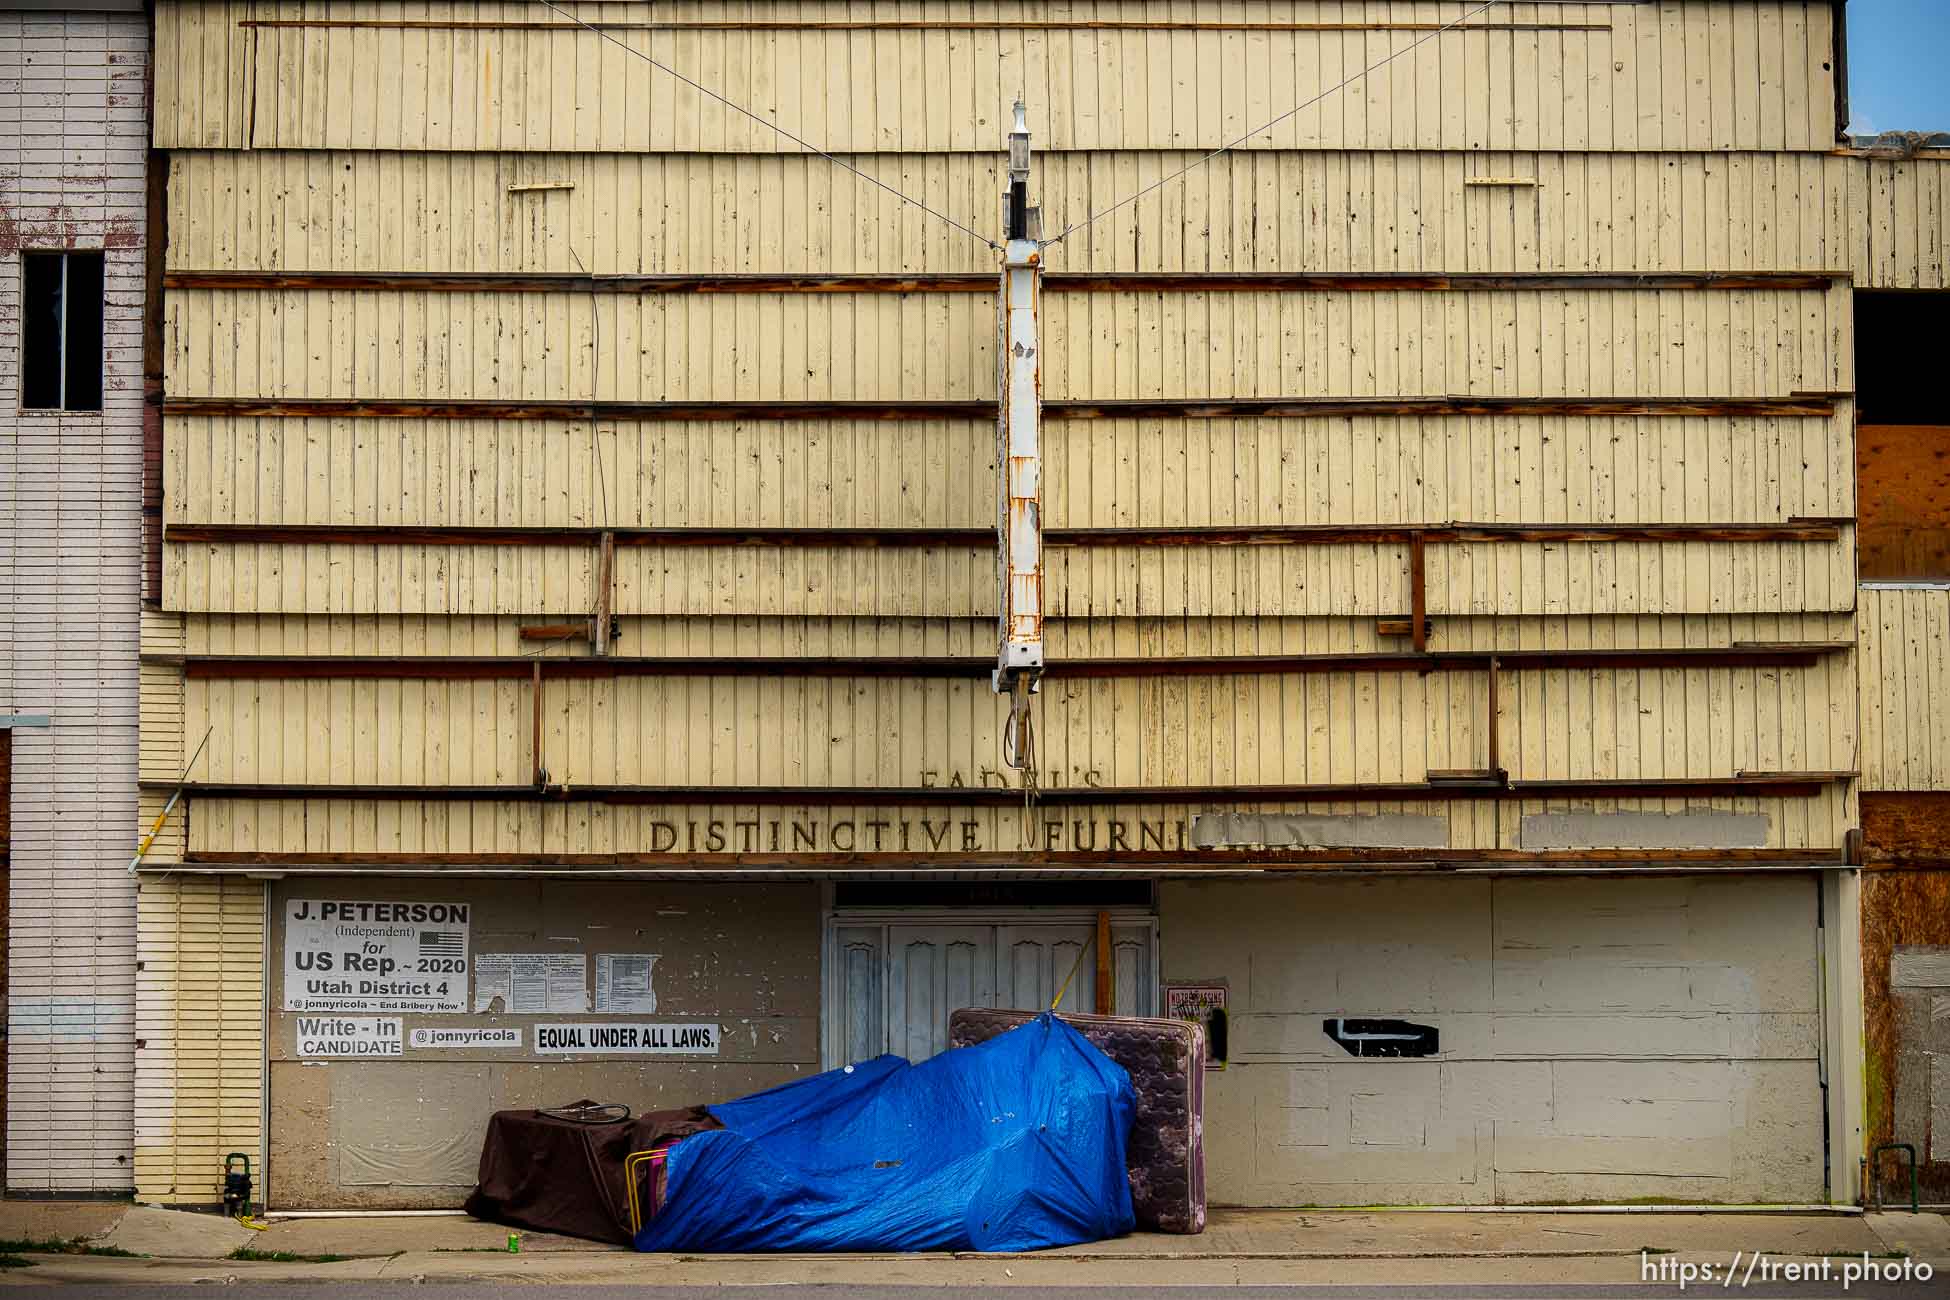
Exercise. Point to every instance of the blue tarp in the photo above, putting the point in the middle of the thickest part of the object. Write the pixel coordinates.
(1015, 1144)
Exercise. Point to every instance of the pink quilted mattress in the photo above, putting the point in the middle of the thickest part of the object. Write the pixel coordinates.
(1166, 1062)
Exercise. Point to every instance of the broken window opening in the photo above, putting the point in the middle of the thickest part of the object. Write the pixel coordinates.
(61, 331)
(1902, 437)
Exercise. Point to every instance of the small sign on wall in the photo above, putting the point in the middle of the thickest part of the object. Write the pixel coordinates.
(532, 983)
(623, 983)
(464, 1038)
(632, 1039)
(1202, 1004)
(353, 956)
(348, 1036)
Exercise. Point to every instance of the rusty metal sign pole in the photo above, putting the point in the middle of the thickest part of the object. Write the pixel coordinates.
(1019, 450)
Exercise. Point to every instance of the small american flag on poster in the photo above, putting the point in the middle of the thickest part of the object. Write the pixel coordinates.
(443, 943)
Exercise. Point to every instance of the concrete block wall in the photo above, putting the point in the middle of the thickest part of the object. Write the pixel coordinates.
(73, 156)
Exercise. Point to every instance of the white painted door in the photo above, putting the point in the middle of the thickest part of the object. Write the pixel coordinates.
(891, 984)
(931, 970)
(1035, 960)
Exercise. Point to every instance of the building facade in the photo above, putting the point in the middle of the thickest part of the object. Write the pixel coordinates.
(73, 292)
(1903, 470)
(578, 590)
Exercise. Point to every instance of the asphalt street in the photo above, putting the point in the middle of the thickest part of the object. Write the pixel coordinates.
(360, 1290)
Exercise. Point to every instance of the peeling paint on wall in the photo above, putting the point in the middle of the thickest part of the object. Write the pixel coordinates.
(1645, 830)
(406, 1132)
(1301, 830)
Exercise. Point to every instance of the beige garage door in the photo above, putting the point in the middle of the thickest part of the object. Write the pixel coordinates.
(1600, 1038)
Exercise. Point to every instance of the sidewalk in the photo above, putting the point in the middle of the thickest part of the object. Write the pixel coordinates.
(1242, 1246)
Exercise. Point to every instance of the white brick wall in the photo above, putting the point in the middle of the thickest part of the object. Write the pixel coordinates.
(73, 149)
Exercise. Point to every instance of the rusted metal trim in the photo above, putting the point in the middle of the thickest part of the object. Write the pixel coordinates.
(551, 282)
(1435, 282)
(1301, 407)
(1786, 784)
(982, 410)
(1780, 784)
(1821, 774)
(1418, 592)
(540, 774)
(572, 409)
(516, 667)
(911, 25)
(984, 539)
(154, 247)
(386, 535)
(1740, 654)
(1496, 770)
(1342, 534)
(1838, 24)
(1102, 1003)
(581, 667)
(1231, 858)
(605, 593)
(984, 283)
(747, 867)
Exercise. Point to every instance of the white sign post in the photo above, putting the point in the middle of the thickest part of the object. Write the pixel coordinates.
(344, 956)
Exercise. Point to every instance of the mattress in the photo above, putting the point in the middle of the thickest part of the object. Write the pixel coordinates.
(1166, 1062)
(549, 1171)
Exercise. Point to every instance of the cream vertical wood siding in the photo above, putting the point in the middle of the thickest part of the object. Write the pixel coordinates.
(1550, 342)
(1699, 142)
(73, 157)
(957, 582)
(1905, 216)
(1113, 473)
(1582, 724)
(200, 1016)
(1880, 220)
(1905, 686)
(731, 731)
(1675, 76)
(1291, 210)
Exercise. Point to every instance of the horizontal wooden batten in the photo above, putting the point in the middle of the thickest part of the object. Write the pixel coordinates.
(1746, 784)
(1568, 859)
(583, 667)
(1221, 408)
(911, 25)
(972, 409)
(983, 410)
(980, 282)
(1824, 530)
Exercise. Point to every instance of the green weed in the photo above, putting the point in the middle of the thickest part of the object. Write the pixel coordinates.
(257, 1256)
(59, 1246)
